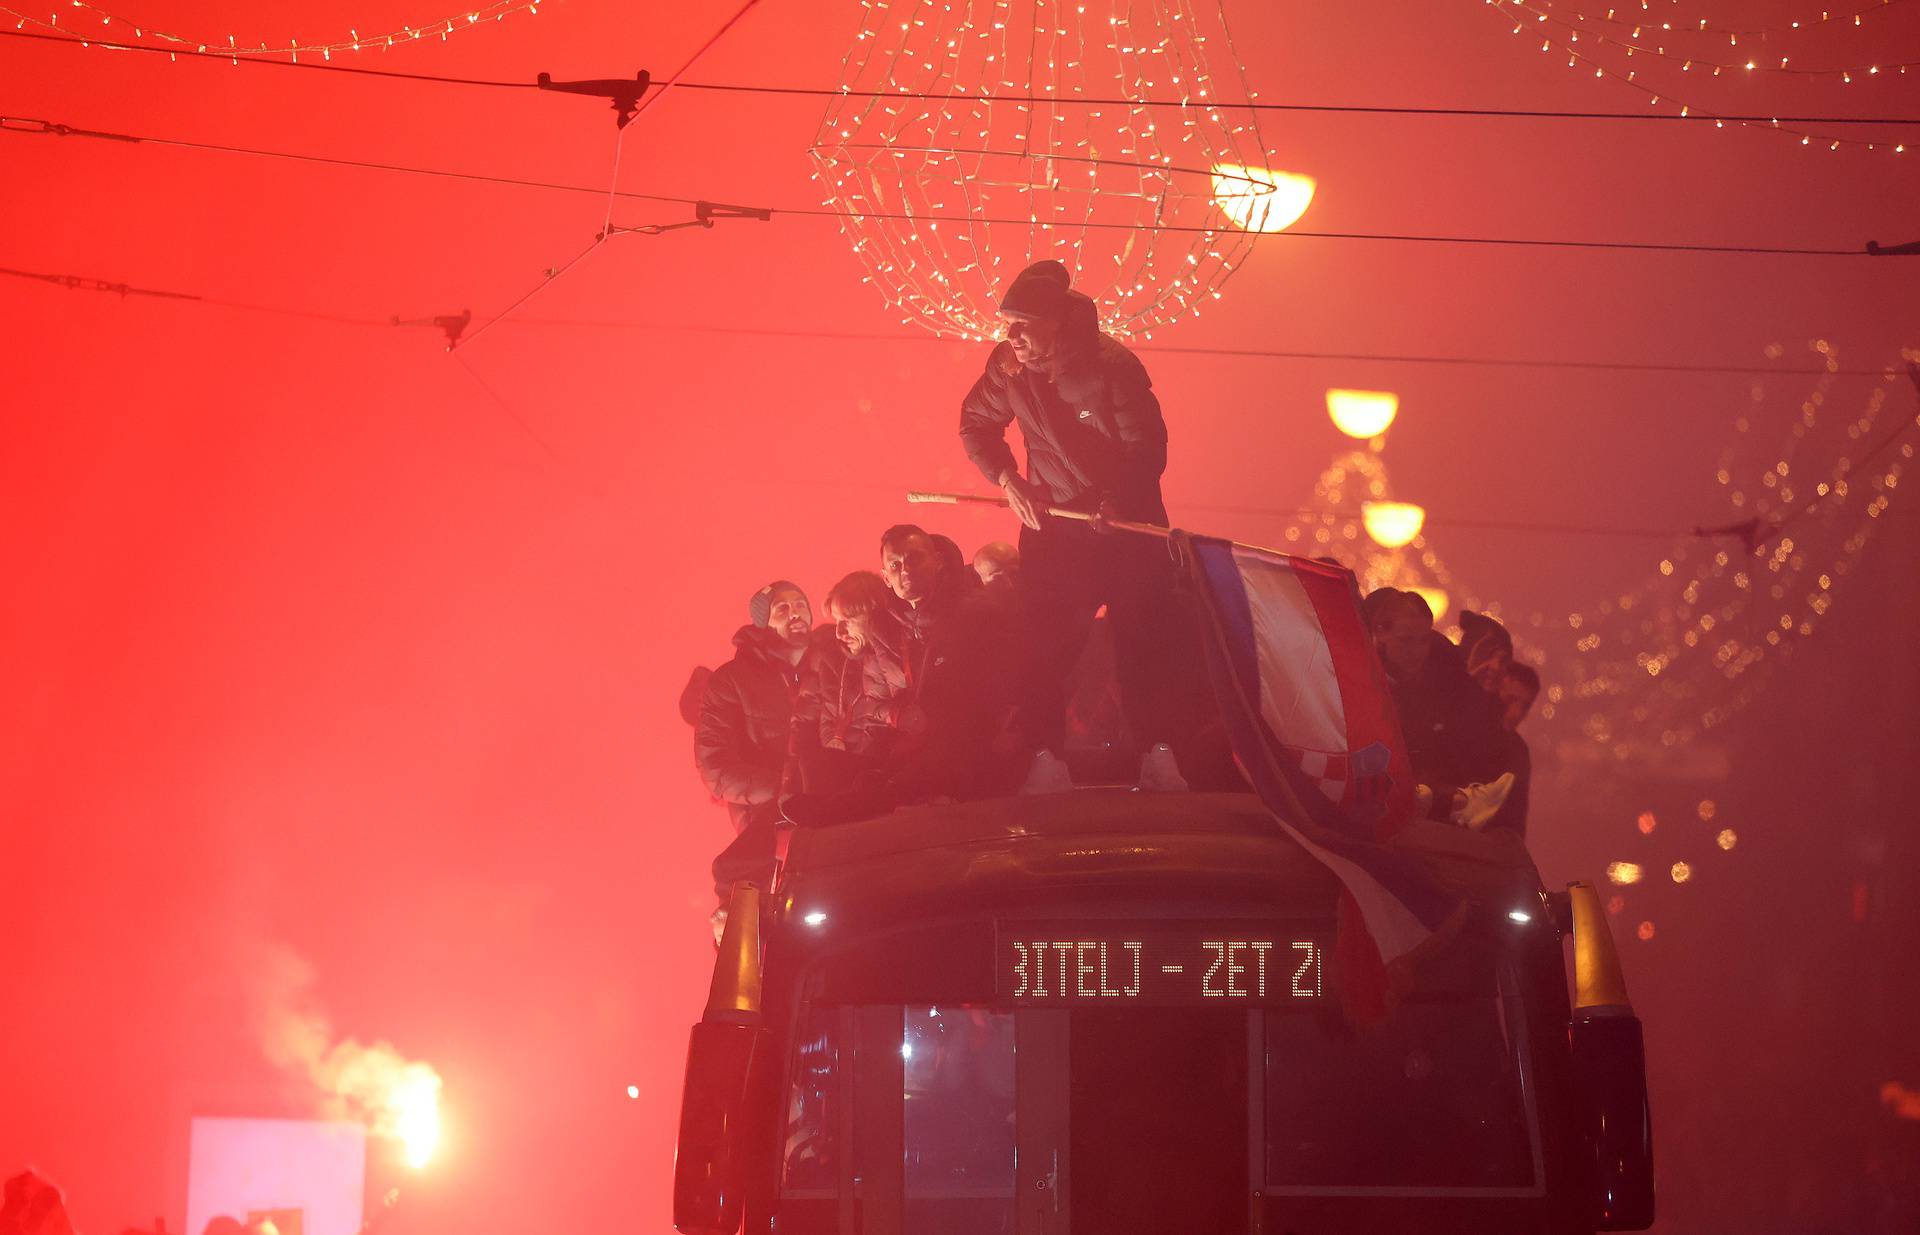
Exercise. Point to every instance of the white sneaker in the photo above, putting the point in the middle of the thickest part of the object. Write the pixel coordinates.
(1483, 802)
(1159, 773)
(1049, 774)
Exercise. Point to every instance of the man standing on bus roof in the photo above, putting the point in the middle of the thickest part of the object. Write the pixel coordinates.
(1095, 442)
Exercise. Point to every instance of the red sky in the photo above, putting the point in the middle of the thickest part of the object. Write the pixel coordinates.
(312, 642)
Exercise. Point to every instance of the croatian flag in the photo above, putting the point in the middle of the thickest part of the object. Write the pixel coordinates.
(1308, 711)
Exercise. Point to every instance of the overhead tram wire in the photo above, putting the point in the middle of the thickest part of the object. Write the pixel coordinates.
(240, 57)
(26, 126)
(607, 230)
(1252, 353)
(84, 283)
(78, 283)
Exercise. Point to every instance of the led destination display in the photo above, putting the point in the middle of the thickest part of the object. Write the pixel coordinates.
(1196, 963)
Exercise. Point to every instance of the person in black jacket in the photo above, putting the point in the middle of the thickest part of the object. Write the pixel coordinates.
(952, 675)
(1095, 442)
(740, 741)
(1451, 727)
(840, 730)
(1487, 649)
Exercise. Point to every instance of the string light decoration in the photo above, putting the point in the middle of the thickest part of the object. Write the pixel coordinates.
(1643, 16)
(1561, 37)
(1636, 686)
(1100, 187)
(1647, 36)
(1677, 656)
(83, 21)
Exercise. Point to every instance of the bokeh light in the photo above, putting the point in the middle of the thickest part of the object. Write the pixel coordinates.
(1259, 199)
(1392, 524)
(1623, 872)
(1362, 413)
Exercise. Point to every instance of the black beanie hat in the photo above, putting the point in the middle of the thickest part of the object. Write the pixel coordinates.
(1038, 291)
(760, 605)
(1477, 626)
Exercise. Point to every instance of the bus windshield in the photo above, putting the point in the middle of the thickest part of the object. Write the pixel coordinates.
(953, 1115)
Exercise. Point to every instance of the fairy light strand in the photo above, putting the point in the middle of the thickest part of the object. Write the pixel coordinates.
(1642, 672)
(85, 20)
(1655, 97)
(1683, 26)
(1575, 23)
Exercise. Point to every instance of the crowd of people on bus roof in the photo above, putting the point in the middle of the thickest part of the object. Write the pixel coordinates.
(939, 677)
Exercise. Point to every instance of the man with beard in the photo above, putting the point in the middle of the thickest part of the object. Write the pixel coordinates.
(740, 740)
(1095, 442)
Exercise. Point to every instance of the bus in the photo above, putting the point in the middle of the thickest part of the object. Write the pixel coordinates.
(1107, 1012)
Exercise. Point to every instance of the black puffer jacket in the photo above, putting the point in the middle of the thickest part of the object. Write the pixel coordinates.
(958, 667)
(835, 723)
(1092, 426)
(740, 741)
(1451, 726)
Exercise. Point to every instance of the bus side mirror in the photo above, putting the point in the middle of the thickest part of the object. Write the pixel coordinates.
(1610, 1068)
(708, 1165)
(1610, 1064)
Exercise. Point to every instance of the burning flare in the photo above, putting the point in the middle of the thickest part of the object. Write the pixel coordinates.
(376, 1085)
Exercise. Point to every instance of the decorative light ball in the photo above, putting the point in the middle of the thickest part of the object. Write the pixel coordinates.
(1393, 524)
(1260, 199)
(1362, 413)
(1106, 134)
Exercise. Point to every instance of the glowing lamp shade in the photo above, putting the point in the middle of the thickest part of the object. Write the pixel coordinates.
(1392, 524)
(1436, 601)
(1259, 199)
(1362, 413)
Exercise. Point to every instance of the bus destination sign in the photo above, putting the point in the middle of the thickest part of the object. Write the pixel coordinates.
(1167, 963)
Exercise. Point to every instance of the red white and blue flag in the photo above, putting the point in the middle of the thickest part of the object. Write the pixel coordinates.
(1314, 728)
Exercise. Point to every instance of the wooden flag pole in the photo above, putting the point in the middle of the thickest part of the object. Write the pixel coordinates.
(1079, 516)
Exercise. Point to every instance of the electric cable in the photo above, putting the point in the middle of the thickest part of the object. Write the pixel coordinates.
(84, 283)
(239, 57)
(21, 125)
